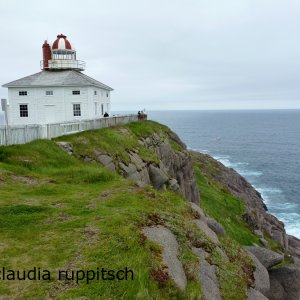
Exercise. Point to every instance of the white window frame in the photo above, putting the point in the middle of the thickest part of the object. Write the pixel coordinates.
(26, 111)
(76, 111)
(76, 92)
(23, 93)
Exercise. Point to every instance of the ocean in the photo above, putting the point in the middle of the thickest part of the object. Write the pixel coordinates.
(263, 146)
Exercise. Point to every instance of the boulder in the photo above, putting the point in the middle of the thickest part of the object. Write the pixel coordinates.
(130, 171)
(261, 276)
(215, 226)
(197, 210)
(106, 161)
(173, 184)
(166, 239)
(286, 282)
(65, 146)
(207, 276)
(157, 176)
(256, 295)
(207, 231)
(267, 257)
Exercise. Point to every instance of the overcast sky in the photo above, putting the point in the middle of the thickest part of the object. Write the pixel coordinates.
(188, 54)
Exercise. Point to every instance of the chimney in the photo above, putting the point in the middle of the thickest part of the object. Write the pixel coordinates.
(46, 55)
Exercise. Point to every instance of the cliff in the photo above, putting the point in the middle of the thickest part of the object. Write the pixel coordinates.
(128, 196)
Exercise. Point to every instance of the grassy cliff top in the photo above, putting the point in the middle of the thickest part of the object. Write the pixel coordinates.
(59, 212)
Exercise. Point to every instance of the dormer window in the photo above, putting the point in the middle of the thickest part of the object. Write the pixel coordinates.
(22, 93)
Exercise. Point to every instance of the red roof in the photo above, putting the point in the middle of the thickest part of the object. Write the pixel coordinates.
(61, 43)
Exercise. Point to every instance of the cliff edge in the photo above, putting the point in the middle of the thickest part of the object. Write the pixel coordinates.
(133, 196)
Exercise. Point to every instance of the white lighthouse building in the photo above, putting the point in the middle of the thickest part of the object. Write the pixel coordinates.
(59, 93)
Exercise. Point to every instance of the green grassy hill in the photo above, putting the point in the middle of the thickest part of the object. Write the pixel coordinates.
(58, 212)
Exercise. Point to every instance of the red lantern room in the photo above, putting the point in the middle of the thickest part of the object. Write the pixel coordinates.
(61, 56)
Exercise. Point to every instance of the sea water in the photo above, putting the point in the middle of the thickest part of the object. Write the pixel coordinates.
(263, 146)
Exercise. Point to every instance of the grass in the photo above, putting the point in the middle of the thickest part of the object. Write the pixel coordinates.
(219, 204)
(58, 212)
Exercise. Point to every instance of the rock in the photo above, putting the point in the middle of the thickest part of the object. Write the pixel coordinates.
(136, 160)
(276, 291)
(294, 245)
(267, 257)
(264, 242)
(179, 166)
(286, 282)
(166, 239)
(197, 210)
(279, 236)
(124, 131)
(106, 161)
(174, 185)
(222, 253)
(157, 176)
(215, 226)
(144, 177)
(200, 252)
(207, 276)
(256, 211)
(261, 276)
(255, 295)
(207, 231)
(130, 171)
(67, 147)
(258, 233)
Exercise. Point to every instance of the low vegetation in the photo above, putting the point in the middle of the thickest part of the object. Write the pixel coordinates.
(58, 212)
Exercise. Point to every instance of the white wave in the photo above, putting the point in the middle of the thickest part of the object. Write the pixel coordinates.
(291, 222)
(284, 206)
(268, 190)
(246, 173)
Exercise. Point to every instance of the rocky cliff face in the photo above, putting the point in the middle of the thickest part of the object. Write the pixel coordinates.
(171, 167)
(257, 215)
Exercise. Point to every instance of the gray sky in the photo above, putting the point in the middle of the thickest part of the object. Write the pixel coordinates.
(188, 54)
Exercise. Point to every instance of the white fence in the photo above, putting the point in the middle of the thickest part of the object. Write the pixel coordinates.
(10, 135)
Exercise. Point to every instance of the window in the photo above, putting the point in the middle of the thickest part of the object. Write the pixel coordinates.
(76, 110)
(76, 92)
(22, 93)
(107, 94)
(102, 109)
(95, 93)
(23, 110)
(49, 93)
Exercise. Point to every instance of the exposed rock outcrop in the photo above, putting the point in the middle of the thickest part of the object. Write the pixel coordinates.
(173, 170)
(267, 257)
(207, 277)
(261, 277)
(165, 238)
(257, 216)
(285, 283)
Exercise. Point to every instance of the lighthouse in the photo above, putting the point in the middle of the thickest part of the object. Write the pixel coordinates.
(61, 56)
(60, 92)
